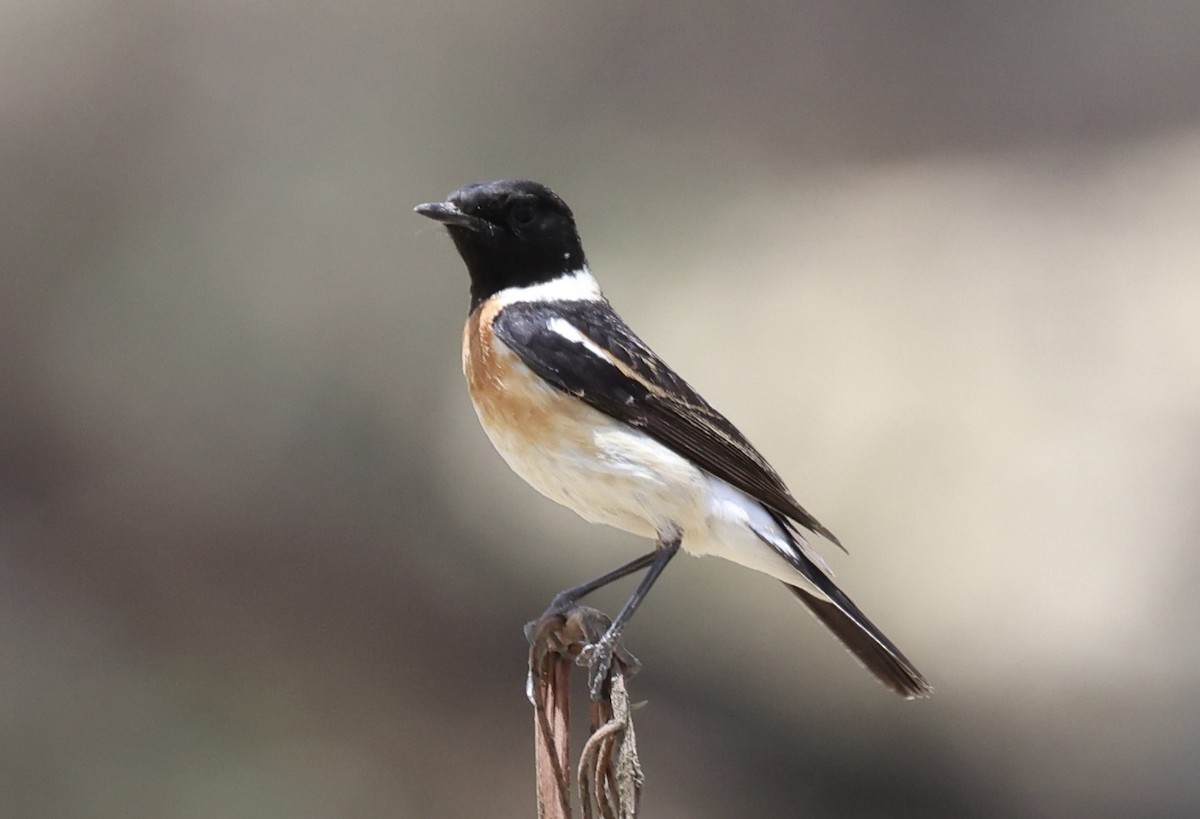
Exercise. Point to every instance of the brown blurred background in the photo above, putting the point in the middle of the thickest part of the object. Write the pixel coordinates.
(940, 261)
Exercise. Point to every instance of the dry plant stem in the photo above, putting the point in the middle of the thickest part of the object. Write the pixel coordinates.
(550, 681)
(610, 778)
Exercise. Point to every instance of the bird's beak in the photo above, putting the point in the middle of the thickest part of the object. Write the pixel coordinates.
(448, 214)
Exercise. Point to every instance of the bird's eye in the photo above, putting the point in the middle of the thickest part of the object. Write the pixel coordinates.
(521, 213)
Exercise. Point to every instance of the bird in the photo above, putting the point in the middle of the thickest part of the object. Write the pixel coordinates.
(586, 413)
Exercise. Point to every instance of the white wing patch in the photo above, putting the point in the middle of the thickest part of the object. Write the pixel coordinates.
(564, 328)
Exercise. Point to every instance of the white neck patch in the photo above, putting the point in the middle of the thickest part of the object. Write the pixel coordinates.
(578, 285)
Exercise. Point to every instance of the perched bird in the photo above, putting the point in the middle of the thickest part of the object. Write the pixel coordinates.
(592, 418)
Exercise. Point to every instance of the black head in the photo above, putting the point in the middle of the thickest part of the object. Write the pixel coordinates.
(510, 233)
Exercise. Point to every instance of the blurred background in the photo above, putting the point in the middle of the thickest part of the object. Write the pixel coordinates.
(939, 261)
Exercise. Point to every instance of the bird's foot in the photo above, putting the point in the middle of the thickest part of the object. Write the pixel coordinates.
(585, 634)
(559, 612)
(598, 658)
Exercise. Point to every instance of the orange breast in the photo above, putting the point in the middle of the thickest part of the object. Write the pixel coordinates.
(572, 453)
(516, 407)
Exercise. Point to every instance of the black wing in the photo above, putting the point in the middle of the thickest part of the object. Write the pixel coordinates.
(611, 369)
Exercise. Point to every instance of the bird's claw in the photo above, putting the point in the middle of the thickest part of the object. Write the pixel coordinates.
(585, 634)
(598, 658)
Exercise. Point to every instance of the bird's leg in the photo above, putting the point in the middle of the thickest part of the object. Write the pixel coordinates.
(600, 654)
(565, 600)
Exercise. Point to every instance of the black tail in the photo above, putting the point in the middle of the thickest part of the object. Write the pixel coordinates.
(867, 643)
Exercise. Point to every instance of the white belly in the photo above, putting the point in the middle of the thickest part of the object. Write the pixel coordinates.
(620, 477)
(608, 473)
